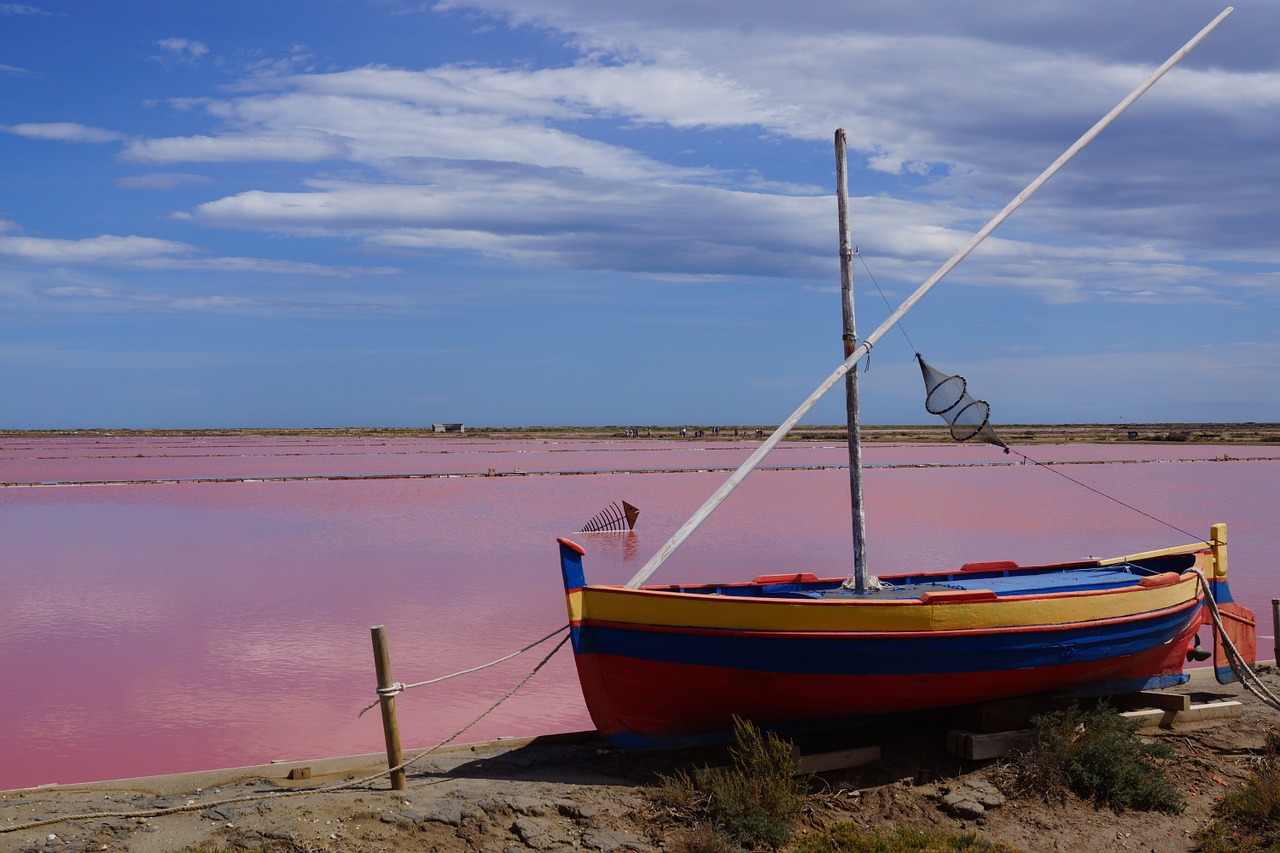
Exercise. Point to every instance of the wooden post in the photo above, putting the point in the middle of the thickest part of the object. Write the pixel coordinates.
(390, 728)
(1218, 542)
(850, 335)
(1275, 628)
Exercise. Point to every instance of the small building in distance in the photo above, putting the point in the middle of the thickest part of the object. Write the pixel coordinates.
(448, 428)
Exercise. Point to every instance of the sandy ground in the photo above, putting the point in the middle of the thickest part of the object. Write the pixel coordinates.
(568, 793)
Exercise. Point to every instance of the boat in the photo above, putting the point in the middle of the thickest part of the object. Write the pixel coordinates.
(673, 665)
(668, 666)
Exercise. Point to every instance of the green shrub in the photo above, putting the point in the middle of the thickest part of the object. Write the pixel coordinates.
(850, 838)
(1248, 818)
(1098, 755)
(754, 802)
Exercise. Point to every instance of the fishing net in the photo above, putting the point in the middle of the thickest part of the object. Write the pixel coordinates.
(947, 397)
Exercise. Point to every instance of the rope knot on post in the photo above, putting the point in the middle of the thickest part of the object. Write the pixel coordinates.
(392, 690)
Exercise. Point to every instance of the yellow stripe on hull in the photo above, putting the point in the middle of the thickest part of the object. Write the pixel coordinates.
(691, 610)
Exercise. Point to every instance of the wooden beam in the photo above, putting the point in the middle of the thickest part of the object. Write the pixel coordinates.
(1152, 699)
(1195, 714)
(980, 746)
(821, 762)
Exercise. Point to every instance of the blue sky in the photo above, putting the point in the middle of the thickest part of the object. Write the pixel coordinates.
(390, 213)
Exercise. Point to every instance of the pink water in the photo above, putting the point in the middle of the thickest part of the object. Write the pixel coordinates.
(166, 626)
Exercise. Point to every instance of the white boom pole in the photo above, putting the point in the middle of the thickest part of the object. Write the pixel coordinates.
(695, 521)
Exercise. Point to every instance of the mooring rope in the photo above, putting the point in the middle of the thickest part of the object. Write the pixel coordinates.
(324, 789)
(481, 716)
(1248, 678)
(400, 687)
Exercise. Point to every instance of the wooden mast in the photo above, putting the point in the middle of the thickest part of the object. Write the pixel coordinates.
(850, 337)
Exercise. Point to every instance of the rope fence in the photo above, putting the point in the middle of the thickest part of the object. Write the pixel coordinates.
(383, 693)
(399, 687)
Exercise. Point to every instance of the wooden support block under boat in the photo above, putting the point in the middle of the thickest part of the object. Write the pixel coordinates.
(841, 759)
(1004, 715)
(1010, 714)
(1152, 699)
(1197, 713)
(981, 746)
(824, 762)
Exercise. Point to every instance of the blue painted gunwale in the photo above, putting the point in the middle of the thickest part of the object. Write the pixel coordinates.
(889, 653)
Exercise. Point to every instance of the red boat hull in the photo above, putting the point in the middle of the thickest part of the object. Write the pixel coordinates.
(631, 700)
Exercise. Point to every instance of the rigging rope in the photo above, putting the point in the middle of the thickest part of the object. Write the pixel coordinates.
(857, 253)
(1048, 466)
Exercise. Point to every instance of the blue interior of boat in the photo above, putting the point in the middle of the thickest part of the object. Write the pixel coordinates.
(1078, 577)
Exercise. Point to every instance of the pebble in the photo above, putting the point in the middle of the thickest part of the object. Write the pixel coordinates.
(447, 812)
(608, 841)
(971, 799)
(577, 811)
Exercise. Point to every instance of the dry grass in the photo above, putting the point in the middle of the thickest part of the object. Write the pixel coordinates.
(850, 838)
(1248, 818)
(1098, 755)
(754, 803)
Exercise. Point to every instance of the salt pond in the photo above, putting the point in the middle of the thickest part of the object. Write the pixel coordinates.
(196, 603)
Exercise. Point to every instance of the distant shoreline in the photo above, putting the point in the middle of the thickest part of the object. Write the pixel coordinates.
(1182, 433)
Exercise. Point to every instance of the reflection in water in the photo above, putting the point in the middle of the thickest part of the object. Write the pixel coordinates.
(611, 546)
(179, 626)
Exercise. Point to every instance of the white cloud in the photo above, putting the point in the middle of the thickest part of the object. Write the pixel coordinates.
(298, 59)
(62, 131)
(581, 222)
(392, 121)
(512, 162)
(978, 103)
(541, 219)
(262, 265)
(184, 51)
(296, 148)
(651, 93)
(150, 253)
(74, 291)
(107, 249)
(910, 97)
(210, 303)
(161, 181)
(21, 9)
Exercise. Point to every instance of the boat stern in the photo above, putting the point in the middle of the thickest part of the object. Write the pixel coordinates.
(1234, 622)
